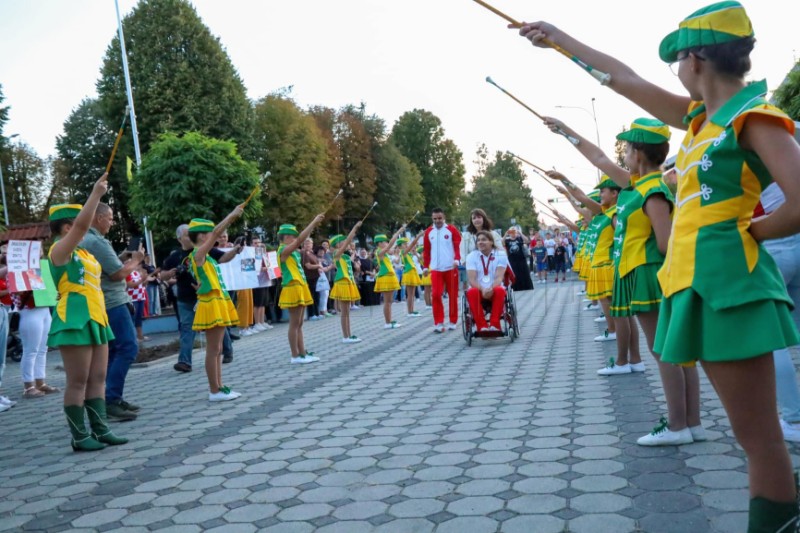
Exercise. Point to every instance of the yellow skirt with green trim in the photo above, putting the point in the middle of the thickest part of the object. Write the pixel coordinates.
(411, 279)
(214, 309)
(600, 282)
(425, 281)
(586, 269)
(295, 294)
(578, 263)
(387, 283)
(345, 290)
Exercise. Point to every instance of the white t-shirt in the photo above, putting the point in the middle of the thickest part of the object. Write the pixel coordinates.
(492, 262)
(550, 244)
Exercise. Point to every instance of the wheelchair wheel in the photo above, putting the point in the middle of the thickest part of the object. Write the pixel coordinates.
(512, 306)
(466, 320)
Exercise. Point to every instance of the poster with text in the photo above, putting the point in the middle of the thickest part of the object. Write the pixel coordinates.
(243, 271)
(24, 266)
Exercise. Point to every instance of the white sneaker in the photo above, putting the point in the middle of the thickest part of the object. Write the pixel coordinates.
(452, 327)
(637, 367)
(613, 369)
(230, 392)
(591, 307)
(303, 360)
(662, 436)
(267, 326)
(791, 432)
(258, 328)
(392, 325)
(428, 307)
(351, 340)
(600, 319)
(245, 332)
(413, 314)
(314, 318)
(220, 397)
(698, 433)
(5, 400)
(606, 337)
(438, 328)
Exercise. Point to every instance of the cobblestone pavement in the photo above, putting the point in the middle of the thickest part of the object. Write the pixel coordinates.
(406, 432)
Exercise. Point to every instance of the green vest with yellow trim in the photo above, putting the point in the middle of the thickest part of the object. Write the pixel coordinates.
(634, 239)
(719, 184)
(291, 269)
(208, 275)
(604, 240)
(344, 268)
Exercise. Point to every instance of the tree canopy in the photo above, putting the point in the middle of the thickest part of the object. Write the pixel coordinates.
(191, 176)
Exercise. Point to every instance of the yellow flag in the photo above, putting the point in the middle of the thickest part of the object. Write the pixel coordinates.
(130, 168)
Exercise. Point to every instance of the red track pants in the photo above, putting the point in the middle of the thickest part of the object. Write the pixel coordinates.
(439, 281)
(474, 297)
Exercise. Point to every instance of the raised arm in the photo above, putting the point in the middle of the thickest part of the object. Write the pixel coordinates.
(211, 240)
(664, 105)
(62, 250)
(350, 236)
(379, 253)
(574, 194)
(592, 153)
(413, 244)
(287, 251)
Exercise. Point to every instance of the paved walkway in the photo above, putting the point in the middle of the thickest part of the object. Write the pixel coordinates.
(406, 432)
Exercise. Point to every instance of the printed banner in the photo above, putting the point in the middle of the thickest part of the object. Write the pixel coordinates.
(47, 297)
(24, 267)
(248, 270)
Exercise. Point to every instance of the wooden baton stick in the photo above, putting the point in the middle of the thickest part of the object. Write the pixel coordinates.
(116, 141)
(603, 77)
(369, 211)
(569, 137)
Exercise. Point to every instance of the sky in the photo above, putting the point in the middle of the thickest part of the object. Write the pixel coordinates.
(395, 56)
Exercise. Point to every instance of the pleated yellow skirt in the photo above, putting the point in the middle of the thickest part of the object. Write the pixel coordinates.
(214, 309)
(387, 283)
(296, 294)
(345, 290)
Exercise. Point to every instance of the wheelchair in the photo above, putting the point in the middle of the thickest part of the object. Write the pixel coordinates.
(508, 319)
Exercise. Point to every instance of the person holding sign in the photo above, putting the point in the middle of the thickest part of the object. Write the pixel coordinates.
(295, 295)
(214, 311)
(80, 328)
(485, 270)
(386, 281)
(345, 289)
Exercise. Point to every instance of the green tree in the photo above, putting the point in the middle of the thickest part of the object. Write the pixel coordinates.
(325, 118)
(291, 147)
(27, 178)
(83, 151)
(619, 149)
(787, 97)
(182, 80)
(189, 176)
(3, 117)
(419, 136)
(501, 191)
(355, 146)
(399, 188)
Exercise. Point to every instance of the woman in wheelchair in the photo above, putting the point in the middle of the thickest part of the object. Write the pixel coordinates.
(485, 270)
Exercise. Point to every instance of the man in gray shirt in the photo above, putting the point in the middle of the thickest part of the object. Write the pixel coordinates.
(122, 351)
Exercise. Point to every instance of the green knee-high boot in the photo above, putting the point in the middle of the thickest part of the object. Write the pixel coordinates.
(82, 441)
(767, 516)
(96, 410)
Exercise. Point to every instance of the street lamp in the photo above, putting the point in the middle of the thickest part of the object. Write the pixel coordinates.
(592, 114)
(3, 186)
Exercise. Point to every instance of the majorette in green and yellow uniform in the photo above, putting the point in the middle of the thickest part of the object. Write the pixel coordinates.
(79, 317)
(410, 275)
(590, 240)
(214, 305)
(294, 287)
(578, 259)
(636, 255)
(344, 286)
(601, 276)
(425, 279)
(716, 277)
(386, 280)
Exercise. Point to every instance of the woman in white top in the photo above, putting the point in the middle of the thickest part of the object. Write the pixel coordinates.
(485, 270)
(479, 220)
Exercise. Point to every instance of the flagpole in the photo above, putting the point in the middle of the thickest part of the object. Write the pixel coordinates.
(148, 236)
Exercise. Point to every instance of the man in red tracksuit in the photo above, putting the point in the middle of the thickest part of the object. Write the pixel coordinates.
(441, 254)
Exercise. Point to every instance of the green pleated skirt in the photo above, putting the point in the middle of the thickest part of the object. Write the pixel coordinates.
(690, 330)
(638, 292)
(91, 333)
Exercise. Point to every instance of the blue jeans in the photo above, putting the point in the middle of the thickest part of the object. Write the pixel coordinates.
(3, 340)
(186, 312)
(786, 252)
(122, 351)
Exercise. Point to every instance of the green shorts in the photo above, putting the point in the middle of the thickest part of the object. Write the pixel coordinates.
(690, 330)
